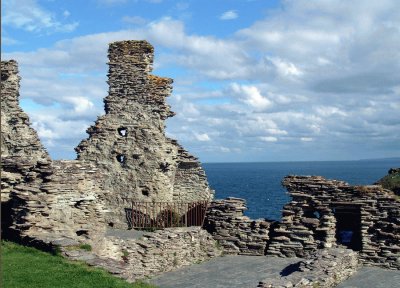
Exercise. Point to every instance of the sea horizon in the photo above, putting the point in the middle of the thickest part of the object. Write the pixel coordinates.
(296, 161)
(259, 183)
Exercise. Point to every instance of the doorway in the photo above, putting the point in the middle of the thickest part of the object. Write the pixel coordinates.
(348, 226)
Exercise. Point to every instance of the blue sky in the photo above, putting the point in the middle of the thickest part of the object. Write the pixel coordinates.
(254, 80)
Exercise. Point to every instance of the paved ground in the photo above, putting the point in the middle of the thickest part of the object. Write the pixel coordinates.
(247, 271)
(371, 277)
(227, 271)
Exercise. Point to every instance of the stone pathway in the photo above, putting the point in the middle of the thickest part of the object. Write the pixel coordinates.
(228, 271)
(247, 271)
(372, 277)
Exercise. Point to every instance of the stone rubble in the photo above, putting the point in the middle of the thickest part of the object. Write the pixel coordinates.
(324, 268)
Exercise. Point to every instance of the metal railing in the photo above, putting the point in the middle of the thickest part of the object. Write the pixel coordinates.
(166, 214)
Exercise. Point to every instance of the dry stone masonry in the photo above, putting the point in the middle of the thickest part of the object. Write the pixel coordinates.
(236, 233)
(322, 214)
(126, 157)
(129, 144)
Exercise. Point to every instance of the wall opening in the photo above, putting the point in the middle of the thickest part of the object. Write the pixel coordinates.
(82, 233)
(121, 158)
(122, 131)
(6, 218)
(348, 226)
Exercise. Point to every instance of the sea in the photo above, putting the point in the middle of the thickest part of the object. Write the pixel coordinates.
(260, 183)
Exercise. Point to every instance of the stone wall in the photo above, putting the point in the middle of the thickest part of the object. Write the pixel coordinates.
(149, 254)
(310, 220)
(237, 234)
(23, 158)
(322, 212)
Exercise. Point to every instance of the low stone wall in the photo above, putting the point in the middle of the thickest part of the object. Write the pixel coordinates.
(312, 220)
(237, 234)
(149, 254)
(325, 268)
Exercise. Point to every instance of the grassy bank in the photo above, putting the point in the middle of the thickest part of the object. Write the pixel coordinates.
(30, 268)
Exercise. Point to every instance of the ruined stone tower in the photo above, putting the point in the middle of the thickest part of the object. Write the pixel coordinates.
(129, 141)
(126, 157)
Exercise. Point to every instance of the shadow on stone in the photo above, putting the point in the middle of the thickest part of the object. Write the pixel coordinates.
(290, 269)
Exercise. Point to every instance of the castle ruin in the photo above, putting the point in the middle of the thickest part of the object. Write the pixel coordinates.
(128, 157)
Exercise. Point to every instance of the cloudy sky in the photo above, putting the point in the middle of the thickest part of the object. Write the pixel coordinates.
(255, 80)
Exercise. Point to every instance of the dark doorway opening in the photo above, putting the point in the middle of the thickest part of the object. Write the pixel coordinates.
(348, 226)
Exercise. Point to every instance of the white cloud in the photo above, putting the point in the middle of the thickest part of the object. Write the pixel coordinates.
(202, 137)
(30, 16)
(306, 139)
(229, 15)
(286, 68)
(269, 139)
(66, 13)
(251, 96)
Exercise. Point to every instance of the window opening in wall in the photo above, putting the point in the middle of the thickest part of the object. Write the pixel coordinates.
(121, 158)
(123, 131)
(348, 226)
(81, 232)
(145, 192)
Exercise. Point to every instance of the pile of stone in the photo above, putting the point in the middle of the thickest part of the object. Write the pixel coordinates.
(325, 268)
(236, 233)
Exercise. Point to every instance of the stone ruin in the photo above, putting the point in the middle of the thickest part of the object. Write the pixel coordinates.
(128, 157)
(322, 214)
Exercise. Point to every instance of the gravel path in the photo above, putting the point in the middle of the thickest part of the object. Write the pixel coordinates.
(247, 271)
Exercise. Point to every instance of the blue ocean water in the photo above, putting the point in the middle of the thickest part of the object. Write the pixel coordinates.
(260, 183)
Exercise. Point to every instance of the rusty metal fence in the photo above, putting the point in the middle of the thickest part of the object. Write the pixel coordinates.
(166, 214)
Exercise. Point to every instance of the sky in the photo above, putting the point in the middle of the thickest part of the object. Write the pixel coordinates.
(254, 80)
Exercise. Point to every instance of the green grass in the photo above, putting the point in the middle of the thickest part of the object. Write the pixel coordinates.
(25, 267)
(391, 182)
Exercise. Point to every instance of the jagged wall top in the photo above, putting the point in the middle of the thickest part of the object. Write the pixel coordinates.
(130, 83)
(138, 53)
(17, 137)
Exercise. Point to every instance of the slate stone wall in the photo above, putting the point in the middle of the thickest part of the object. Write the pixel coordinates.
(322, 212)
(236, 233)
(127, 156)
